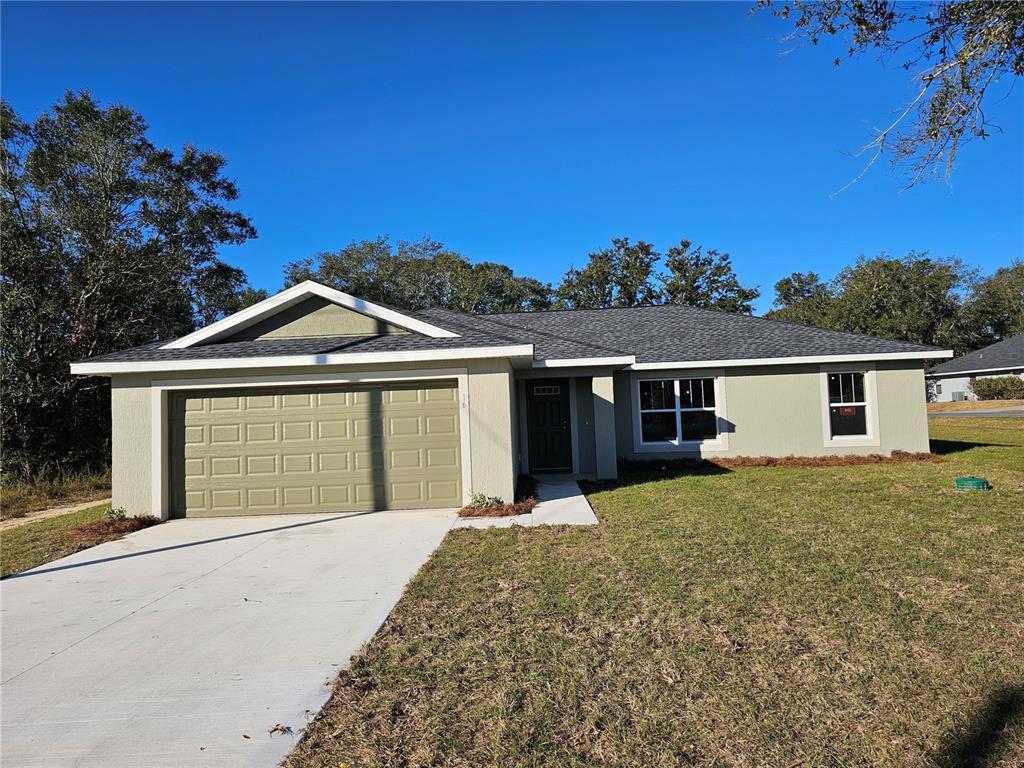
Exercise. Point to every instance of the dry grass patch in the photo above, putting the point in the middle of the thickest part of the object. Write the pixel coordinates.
(972, 405)
(766, 616)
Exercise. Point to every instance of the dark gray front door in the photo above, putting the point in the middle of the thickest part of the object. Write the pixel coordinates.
(547, 407)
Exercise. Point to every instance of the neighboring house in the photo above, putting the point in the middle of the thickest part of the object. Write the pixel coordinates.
(317, 401)
(951, 380)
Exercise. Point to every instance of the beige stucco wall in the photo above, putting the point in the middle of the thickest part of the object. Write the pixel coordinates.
(777, 411)
(131, 443)
(489, 414)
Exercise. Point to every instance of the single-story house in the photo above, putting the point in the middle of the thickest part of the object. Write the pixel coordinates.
(950, 381)
(318, 401)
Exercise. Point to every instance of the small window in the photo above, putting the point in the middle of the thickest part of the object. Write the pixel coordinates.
(847, 404)
(938, 389)
(675, 411)
(547, 390)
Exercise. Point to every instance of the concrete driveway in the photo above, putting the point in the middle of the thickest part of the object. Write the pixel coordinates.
(187, 643)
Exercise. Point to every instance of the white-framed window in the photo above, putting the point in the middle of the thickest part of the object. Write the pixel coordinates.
(849, 405)
(678, 411)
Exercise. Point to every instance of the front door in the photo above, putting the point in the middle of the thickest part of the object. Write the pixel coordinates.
(547, 408)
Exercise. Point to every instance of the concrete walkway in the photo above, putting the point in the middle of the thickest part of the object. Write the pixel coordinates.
(559, 502)
(42, 514)
(186, 644)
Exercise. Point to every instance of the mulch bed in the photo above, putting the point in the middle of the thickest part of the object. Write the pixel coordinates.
(896, 457)
(526, 500)
(101, 530)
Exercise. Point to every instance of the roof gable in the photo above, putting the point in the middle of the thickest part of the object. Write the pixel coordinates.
(315, 317)
(251, 316)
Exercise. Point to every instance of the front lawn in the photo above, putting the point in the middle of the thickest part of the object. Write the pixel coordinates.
(863, 615)
(44, 540)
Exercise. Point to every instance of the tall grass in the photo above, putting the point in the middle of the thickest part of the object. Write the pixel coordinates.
(20, 497)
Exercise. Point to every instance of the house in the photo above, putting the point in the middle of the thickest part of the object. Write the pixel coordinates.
(317, 401)
(951, 380)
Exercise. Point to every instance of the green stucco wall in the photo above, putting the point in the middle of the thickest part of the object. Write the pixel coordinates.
(777, 411)
(316, 317)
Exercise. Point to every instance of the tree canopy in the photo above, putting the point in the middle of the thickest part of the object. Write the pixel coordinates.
(421, 273)
(705, 279)
(108, 242)
(957, 51)
(620, 276)
(914, 298)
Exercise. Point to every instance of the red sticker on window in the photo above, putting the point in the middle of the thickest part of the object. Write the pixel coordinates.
(848, 410)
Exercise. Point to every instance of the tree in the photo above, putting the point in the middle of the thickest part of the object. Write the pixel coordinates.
(705, 279)
(619, 276)
(108, 242)
(802, 298)
(418, 274)
(959, 49)
(996, 307)
(916, 298)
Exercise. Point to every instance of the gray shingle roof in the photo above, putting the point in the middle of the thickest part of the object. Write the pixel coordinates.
(1008, 353)
(675, 332)
(665, 333)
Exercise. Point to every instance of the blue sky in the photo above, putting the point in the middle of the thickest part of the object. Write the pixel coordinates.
(526, 134)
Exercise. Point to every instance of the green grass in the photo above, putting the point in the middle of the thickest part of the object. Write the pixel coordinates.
(33, 544)
(18, 498)
(843, 616)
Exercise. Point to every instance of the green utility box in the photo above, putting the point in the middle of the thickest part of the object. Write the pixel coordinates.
(972, 483)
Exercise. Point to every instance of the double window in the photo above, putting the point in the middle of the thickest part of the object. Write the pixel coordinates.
(675, 411)
(847, 404)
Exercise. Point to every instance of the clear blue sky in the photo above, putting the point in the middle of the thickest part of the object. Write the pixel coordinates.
(525, 134)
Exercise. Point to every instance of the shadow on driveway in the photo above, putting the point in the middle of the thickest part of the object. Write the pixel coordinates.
(41, 571)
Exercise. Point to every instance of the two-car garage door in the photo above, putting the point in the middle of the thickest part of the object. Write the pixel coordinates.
(314, 449)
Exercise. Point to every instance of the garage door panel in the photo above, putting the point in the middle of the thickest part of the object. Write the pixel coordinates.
(315, 449)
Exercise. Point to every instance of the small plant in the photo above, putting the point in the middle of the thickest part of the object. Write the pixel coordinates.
(116, 514)
(482, 501)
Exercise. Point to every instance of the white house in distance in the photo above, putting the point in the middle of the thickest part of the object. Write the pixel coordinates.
(950, 381)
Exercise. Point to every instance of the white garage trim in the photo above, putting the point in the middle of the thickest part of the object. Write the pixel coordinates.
(159, 426)
(301, 361)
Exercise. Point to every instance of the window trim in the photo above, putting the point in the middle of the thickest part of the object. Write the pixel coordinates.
(870, 407)
(720, 443)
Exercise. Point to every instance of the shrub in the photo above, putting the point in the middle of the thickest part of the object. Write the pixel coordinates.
(116, 514)
(481, 500)
(999, 388)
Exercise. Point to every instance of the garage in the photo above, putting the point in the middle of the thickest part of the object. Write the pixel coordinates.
(258, 451)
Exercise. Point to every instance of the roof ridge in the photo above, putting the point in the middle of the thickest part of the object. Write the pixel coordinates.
(718, 313)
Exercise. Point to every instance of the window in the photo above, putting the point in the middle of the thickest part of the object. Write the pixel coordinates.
(938, 389)
(552, 389)
(847, 404)
(675, 411)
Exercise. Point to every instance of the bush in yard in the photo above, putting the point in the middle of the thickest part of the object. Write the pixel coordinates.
(481, 500)
(116, 514)
(998, 388)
